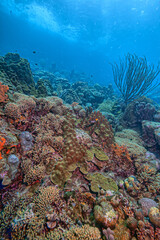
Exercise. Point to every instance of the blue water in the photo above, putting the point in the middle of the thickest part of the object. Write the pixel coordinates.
(84, 35)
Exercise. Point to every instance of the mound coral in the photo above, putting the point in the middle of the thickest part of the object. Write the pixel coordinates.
(97, 126)
(16, 73)
(26, 141)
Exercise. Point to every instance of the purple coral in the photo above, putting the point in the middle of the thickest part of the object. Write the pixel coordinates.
(26, 140)
(146, 204)
(83, 138)
(109, 234)
(144, 111)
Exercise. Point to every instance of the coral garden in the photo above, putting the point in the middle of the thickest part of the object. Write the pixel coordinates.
(66, 171)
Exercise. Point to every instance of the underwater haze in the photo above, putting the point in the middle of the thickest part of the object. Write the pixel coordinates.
(81, 35)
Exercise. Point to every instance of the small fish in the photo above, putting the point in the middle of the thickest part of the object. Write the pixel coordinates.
(91, 123)
(91, 75)
(36, 64)
(34, 52)
(74, 104)
(37, 181)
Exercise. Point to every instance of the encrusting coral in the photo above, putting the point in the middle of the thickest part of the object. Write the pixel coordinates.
(3, 91)
(99, 181)
(2, 142)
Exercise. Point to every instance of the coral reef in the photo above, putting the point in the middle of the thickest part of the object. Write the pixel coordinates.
(64, 172)
(75, 91)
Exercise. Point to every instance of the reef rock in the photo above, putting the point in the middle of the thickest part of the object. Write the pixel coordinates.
(151, 133)
(154, 216)
(137, 111)
(105, 215)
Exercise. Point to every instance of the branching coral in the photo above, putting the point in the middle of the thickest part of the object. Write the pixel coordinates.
(121, 152)
(83, 233)
(44, 200)
(33, 173)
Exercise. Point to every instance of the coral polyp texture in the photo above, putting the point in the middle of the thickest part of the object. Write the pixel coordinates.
(64, 172)
(3, 93)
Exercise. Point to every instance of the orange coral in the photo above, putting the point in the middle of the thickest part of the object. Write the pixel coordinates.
(2, 142)
(121, 152)
(3, 90)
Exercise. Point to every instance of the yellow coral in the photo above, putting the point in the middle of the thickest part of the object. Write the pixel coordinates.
(100, 155)
(83, 233)
(98, 181)
(45, 198)
(154, 216)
